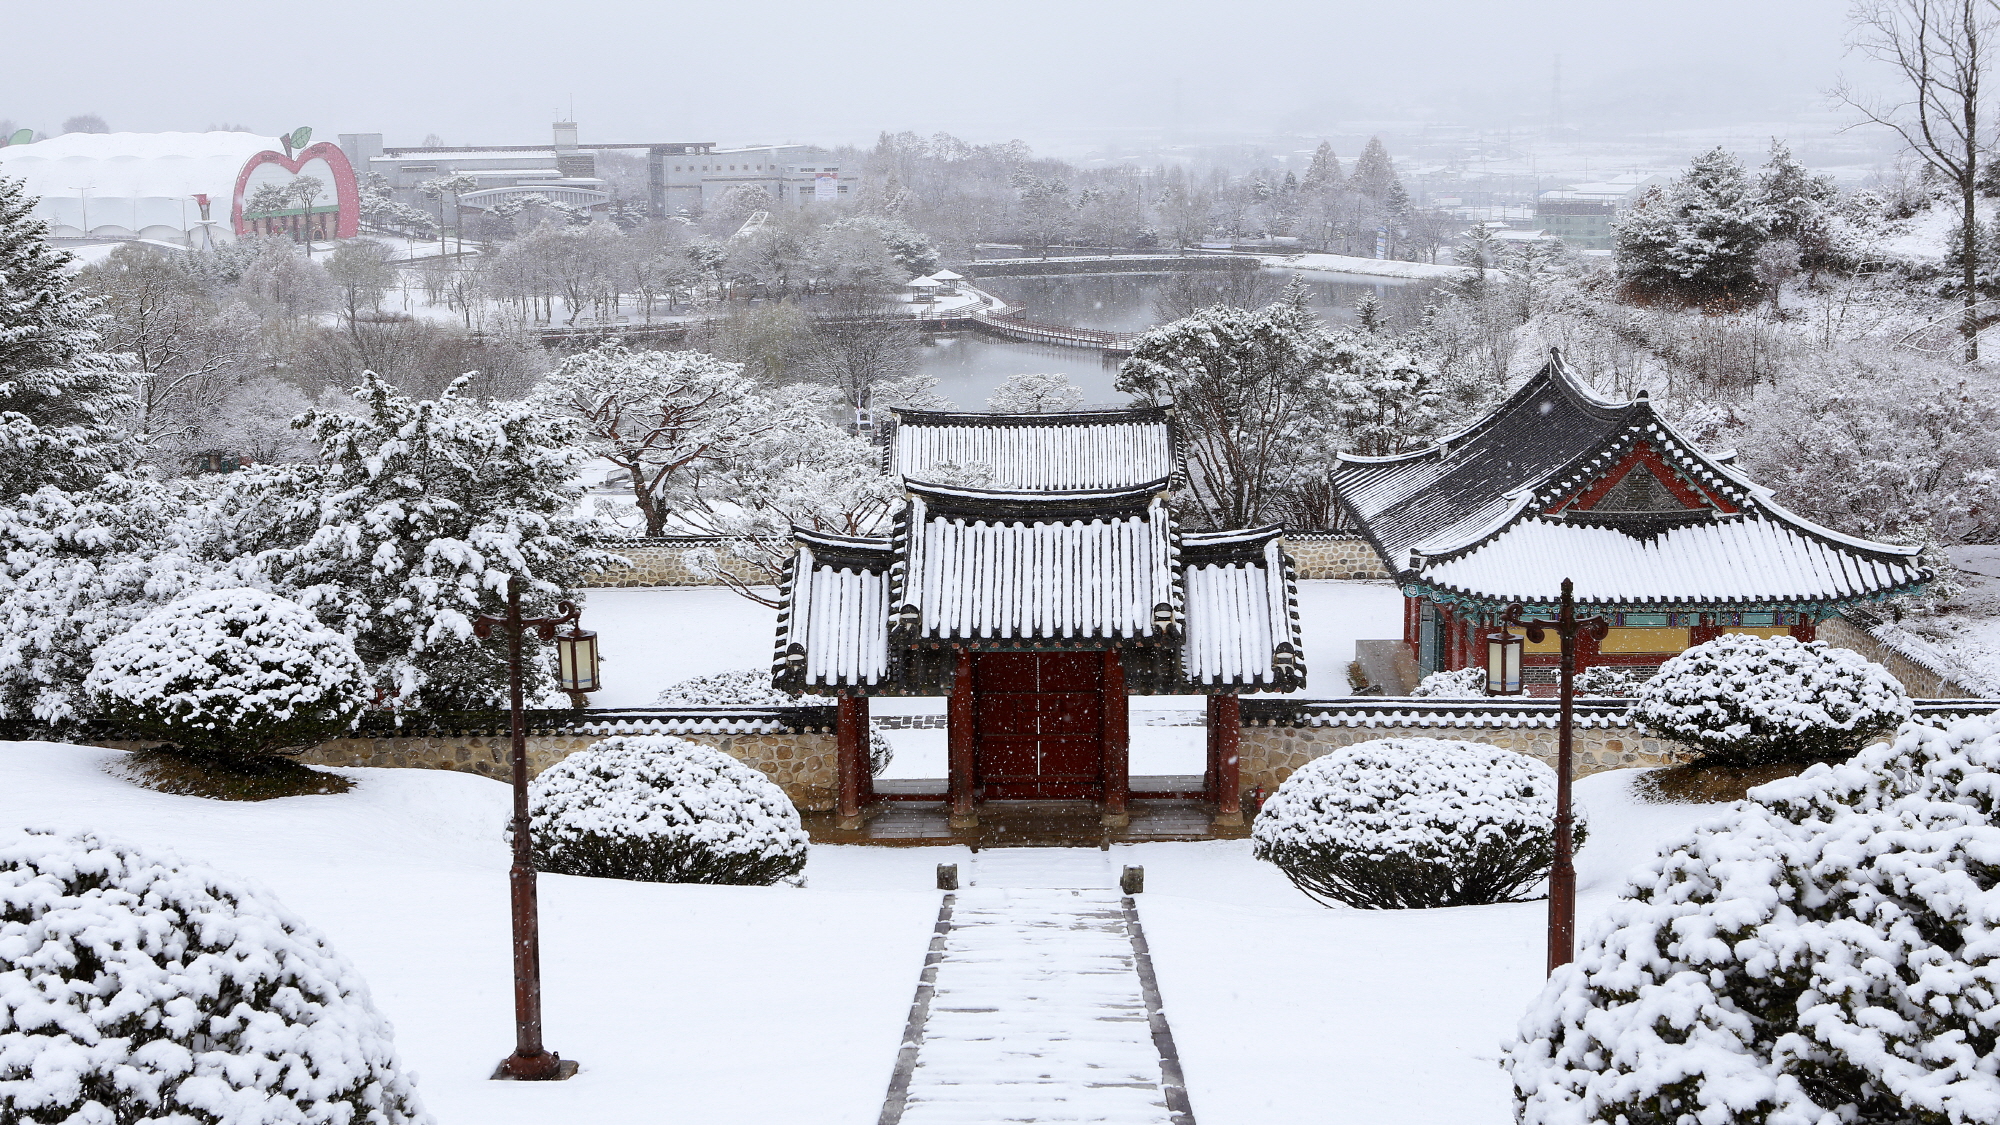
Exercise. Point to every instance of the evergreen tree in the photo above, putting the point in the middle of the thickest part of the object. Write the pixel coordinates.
(1323, 174)
(1696, 242)
(58, 391)
(1374, 172)
(1800, 206)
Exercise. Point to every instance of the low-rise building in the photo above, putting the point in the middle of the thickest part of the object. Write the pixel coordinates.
(1581, 215)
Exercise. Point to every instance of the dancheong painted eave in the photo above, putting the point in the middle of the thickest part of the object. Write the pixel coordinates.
(1104, 449)
(1558, 483)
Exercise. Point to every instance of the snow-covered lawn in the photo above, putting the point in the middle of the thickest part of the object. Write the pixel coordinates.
(775, 1006)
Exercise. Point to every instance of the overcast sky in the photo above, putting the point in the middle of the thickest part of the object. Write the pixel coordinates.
(1052, 72)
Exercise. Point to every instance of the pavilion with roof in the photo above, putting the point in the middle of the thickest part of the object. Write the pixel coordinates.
(1673, 544)
(1037, 603)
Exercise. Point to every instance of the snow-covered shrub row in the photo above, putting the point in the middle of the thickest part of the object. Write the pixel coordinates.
(752, 687)
(230, 672)
(1607, 680)
(1399, 823)
(1746, 700)
(138, 988)
(1826, 953)
(1465, 683)
(663, 810)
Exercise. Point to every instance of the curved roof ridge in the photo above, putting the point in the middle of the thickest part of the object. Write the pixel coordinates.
(843, 542)
(933, 490)
(1136, 415)
(1234, 535)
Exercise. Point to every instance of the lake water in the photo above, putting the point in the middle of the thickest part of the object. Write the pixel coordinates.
(970, 367)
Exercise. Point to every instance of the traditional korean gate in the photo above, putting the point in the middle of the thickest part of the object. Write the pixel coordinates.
(1038, 725)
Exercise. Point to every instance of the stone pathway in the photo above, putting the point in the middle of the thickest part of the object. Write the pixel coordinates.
(1038, 1003)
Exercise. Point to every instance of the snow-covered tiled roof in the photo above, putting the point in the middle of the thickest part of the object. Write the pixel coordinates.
(1746, 559)
(1242, 616)
(1503, 511)
(834, 628)
(1040, 452)
(1062, 576)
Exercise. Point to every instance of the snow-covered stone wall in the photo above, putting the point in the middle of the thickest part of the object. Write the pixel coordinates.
(1334, 556)
(666, 562)
(1919, 679)
(1270, 754)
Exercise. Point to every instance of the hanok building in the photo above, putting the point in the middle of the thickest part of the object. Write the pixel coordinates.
(1037, 603)
(1673, 544)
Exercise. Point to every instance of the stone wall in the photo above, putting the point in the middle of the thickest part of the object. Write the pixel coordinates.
(803, 764)
(1270, 754)
(1920, 680)
(1335, 556)
(665, 562)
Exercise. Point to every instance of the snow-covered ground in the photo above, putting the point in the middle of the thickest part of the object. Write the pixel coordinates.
(1967, 635)
(773, 1006)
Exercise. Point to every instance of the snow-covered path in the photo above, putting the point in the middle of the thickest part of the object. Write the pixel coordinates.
(1039, 1009)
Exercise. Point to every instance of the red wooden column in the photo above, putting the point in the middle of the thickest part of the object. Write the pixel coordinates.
(959, 744)
(1226, 723)
(1117, 741)
(1210, 784)
(851, 757)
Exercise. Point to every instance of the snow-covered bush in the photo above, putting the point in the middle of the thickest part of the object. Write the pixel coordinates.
(752, 687)
(1608, 680)
(663, 810)
(1744, 700)
(1465, 683)
(1400, 823)
(1825, 953)
(137, 988)
(230, 673)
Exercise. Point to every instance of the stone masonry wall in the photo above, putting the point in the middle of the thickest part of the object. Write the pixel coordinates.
(1271, 754)
(1335, 557)
(802, 764)
(1920, 681)
(666, 563)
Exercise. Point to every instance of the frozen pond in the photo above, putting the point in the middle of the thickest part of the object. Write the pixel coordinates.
(969, 367)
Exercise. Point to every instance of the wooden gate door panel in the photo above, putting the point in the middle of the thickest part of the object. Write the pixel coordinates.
(1039, 724)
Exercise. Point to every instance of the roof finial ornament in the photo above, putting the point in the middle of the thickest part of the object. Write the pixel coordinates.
(1555, 355)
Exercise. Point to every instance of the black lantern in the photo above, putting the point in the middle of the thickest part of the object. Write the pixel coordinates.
(576, 661)
(1503, 663)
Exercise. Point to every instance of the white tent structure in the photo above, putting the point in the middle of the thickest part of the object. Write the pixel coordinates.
(123, 186)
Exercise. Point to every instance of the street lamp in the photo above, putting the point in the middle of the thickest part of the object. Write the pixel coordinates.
(1503, 663)
(1562, 874)
(530, 1061)
(576, 662)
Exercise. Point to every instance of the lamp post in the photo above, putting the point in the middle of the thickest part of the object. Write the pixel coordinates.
(530, 1060)
(1503, 663)
(1562, 874)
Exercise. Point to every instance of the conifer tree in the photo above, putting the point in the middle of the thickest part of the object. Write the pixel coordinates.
(1698, 241)
(1323, 174)
(58, 391)
(1374, 172)
(1800, 205)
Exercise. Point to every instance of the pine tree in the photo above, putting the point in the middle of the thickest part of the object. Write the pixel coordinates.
(1800, 206)
(1374, 172)
(58, 392)
(1323, 174)
(1698, 241)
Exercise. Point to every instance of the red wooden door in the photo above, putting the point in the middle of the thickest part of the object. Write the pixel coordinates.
(1038, 723)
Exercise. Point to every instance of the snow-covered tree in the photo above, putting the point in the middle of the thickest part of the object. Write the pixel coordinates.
(361, 273)
(1241, 382)
(136, 987)
(1035, 394)
(654, 414)
(1383, 397)
(1406, 823)
(411, 526)
(1747, 700)
(1696, 241)
(1461, 683)
(1821, 953)
(1374, 173)
(59, 392)
(229, 674)
(1801, 207)
(663, 810)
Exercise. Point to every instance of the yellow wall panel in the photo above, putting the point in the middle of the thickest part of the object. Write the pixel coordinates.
(1645, 638)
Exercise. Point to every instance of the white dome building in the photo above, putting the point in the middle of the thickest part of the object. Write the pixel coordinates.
(185, 189)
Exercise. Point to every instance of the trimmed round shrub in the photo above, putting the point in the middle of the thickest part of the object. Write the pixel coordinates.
(1400, 823)
(660, 809)
(1824, 953)
(752, 687)
(1742, 700)
(1465, 683)
(138, 988)
(229, 674)
(1607, 681)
